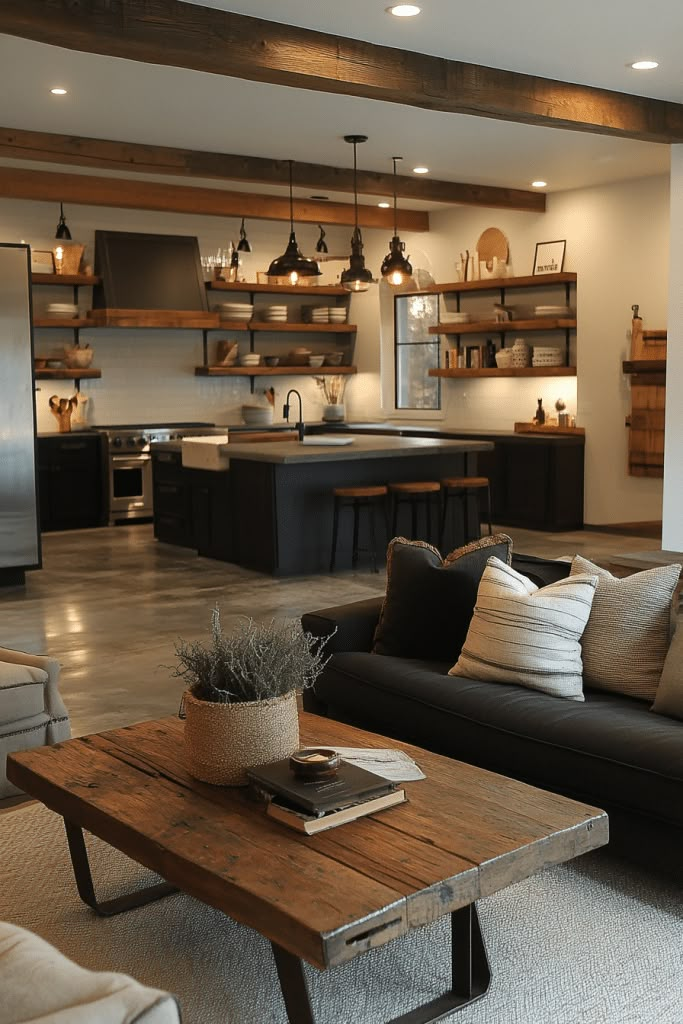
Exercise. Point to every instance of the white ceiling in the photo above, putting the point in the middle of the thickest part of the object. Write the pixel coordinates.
(582, 42)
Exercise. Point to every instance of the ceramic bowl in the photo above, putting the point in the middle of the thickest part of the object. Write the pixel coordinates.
(316, 360)
(257, 415)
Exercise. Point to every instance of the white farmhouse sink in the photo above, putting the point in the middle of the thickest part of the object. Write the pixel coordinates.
(331, 439)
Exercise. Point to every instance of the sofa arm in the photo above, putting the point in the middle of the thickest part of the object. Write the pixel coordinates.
(54, 705)
(355, 624)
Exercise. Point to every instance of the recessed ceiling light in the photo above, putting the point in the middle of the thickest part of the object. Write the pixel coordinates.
(320, 198)
(420, 170)
(403, 10)
(58, 92)
(384, 206)
(645, 65)
(539, 184)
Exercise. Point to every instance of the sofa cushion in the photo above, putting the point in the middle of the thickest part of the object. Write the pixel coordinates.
(669, 699)
(22, 691)
(528, 635)
(629, 629)
(608, 751)
(429, 599)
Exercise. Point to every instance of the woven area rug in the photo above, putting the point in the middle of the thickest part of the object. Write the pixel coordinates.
(593, 941)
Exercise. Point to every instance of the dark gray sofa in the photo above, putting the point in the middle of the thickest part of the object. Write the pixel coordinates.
(610, 751)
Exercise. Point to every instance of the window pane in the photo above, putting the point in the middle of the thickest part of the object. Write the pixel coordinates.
(417, 351)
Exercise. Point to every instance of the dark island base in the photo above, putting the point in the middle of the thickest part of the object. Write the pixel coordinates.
(282, 514)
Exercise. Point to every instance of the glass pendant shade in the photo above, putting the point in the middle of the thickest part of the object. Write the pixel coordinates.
(356, 277)
(396, 269)
(293, 264)
(243, 244)
(62, 227)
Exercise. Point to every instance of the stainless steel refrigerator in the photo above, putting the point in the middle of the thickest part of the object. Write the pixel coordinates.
(19, 529)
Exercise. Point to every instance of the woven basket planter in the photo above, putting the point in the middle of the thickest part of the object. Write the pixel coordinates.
(223, 740)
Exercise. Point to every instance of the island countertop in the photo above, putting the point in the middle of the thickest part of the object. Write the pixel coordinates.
(363, 447)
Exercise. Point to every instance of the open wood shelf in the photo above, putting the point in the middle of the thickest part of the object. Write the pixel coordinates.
(68, 373)
(504, 326)
(272, 371)
(527, 371)
(62, 321)
(65, 279)
(276, 289)
(287, 328)
(496, 283)
(644, 366)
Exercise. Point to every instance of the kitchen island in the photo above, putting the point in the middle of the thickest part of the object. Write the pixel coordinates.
(277, 496)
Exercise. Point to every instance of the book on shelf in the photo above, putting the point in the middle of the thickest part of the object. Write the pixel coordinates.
(349, 786)
(310, 824)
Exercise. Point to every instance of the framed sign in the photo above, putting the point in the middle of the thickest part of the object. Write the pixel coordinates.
(42, 261)
(549, 257)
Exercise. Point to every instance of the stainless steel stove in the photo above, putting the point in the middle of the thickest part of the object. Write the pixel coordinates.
(128, 469)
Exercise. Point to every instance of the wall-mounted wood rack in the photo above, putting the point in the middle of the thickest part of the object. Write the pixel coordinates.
(277, 289)
(86, 280)
(527, 371)
(499, 284)
(504, 326)
(67, 373)
(273, 371)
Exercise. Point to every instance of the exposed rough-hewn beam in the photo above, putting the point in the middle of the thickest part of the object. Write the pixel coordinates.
(223, 43)
(127, 156)
(18, 183)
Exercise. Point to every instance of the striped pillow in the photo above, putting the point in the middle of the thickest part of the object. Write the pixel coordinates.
(527, 635)
(629, 629)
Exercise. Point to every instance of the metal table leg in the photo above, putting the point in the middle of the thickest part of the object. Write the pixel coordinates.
(86, 889)
(470, 976)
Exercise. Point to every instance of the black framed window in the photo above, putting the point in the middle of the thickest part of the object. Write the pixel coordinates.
(416, 351)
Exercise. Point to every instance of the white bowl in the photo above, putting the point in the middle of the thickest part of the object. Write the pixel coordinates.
(256, 416)
(316, 360)
(250, 360)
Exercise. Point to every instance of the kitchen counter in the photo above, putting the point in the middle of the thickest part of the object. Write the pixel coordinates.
(362, 448)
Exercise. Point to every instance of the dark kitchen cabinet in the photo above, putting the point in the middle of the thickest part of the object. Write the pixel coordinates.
(173, 522)
(70, 481)
(211, 513)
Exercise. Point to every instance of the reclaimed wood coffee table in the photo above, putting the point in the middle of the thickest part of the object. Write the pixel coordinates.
(464, 833)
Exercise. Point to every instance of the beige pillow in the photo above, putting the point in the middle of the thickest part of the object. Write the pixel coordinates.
(629, 629)
(528, 635)
(669, 699)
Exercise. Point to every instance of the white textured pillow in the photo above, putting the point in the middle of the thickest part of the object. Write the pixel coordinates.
(524, 634)
(629, 629)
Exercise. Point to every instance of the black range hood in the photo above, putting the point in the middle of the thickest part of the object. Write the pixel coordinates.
(141, 271)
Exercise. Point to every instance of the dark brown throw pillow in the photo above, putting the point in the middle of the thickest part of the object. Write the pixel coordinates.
(430, 600)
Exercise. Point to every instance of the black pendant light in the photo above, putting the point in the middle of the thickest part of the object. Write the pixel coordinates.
(243, 244)
(321, 244)
(62, 227)
(395, 267)
(356, 277)
(292, 263)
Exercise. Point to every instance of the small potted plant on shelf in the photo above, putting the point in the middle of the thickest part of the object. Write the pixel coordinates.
(240, 705)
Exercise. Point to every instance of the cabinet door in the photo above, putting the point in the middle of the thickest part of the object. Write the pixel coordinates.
(526, 485)
(212, 515)
(71, 482)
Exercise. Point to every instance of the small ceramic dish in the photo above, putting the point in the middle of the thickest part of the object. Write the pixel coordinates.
(315, 762)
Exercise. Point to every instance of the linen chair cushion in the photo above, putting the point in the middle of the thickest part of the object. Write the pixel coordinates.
(39, 984)
(22, 691)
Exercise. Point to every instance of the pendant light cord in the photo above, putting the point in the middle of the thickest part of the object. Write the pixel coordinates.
(355, 187)
(395, 158)
(291, 198)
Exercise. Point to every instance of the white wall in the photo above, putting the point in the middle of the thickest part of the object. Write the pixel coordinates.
(672, 533)
(617, 242)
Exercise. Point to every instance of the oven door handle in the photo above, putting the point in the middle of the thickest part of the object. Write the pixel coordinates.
(130, 461)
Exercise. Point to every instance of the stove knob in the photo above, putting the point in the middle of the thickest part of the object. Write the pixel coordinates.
(131, 442)
(117, 442)
(142, 440)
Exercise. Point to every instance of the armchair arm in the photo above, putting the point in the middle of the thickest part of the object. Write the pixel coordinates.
(355, 624)
(54, 705)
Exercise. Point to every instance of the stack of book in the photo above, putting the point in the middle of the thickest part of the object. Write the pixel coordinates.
(312, 805)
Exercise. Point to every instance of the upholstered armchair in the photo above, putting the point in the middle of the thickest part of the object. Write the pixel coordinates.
(32, 713)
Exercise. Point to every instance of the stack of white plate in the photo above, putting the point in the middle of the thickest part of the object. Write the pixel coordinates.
(337, 314)
(320, 315)
(552, 311)
(256, 416)
(547, 355)
(448, 317)
(240, 311)
(62, 310)
(250, 359)
(274, 314)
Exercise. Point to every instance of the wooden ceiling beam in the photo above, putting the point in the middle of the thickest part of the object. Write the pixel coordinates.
(219, 42)
(127, 193)
(106, 154)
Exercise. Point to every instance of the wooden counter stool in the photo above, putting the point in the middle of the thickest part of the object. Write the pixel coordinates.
(358, 498)
(458, 488)
(417, 494)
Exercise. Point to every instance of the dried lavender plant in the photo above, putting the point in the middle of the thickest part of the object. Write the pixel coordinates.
(258, 661)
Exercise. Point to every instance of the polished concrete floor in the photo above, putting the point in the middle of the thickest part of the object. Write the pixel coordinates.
(110, 603)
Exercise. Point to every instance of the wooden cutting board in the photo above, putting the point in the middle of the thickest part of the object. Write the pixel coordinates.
(546, 428)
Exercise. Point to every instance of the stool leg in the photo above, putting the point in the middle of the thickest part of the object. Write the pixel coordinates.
(335, 530)
(385, 509)
(394, 514)
(373, 542)
(466, 516)
(444, 513)
(488, 507)
(413, 517)
(354, 551)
